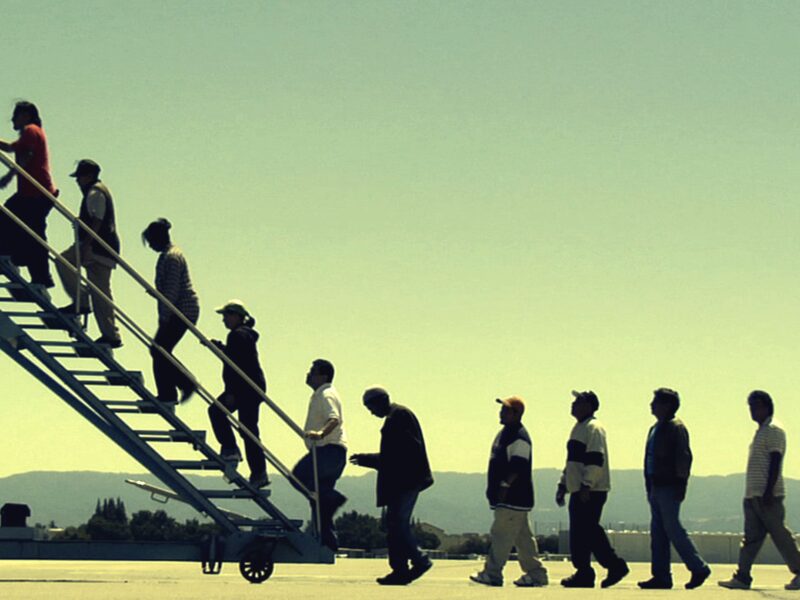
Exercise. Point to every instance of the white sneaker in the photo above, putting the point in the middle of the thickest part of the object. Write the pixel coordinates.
(535, 579)
(794, 584)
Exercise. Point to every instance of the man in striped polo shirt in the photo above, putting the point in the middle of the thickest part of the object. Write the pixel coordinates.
(763, 499)
(586, 479)
(510, 493)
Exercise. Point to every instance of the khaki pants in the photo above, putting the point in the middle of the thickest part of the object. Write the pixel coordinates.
(98, 274)
(759, 520)
(511, 528)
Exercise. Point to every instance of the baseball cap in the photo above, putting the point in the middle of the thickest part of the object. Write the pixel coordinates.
(86, 166)
(233, 306)
(515, 403)
(587, 396)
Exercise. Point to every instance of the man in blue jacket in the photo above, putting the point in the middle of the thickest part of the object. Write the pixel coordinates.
(667, 464)
(403, 472)
(510, 493)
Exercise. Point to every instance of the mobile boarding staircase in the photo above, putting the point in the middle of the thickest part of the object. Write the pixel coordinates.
(54, 348)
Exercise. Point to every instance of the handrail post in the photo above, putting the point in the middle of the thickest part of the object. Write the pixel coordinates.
(77, 247)
(317, 509)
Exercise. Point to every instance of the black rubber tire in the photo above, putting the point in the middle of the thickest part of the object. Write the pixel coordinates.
(256, 567)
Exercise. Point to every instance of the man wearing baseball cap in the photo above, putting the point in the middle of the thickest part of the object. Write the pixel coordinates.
(97, 212)
(586, 478)
(510, 493)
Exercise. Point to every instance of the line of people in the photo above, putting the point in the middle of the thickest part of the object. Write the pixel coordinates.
(402, 462)
(667, 468)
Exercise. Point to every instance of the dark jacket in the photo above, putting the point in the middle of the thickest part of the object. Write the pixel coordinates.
(402, 463)
(512, 453)
(108, 226)
(672, 455)
(240, 347)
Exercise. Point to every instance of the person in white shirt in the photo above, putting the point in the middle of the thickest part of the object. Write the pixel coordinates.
(764, 511)
(324, 428)
(586, 479)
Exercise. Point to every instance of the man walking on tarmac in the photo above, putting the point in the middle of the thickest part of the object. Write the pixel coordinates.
(509, 490)
(765, 492)
(586, 478)
(97, 212)
(403, 472)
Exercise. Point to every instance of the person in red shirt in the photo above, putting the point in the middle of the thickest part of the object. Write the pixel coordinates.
(29, 203)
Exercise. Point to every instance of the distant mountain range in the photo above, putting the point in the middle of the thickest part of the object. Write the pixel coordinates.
(455, 503)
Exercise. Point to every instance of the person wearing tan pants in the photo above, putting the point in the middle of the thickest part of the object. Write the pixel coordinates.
(97, 211)
(509, 491)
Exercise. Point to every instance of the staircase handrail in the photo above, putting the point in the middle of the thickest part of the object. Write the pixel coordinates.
(142, 336)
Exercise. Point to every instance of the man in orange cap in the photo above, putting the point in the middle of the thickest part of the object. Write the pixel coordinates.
(510, 493)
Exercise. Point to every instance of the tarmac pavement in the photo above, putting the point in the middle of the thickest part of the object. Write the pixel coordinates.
(350, 579)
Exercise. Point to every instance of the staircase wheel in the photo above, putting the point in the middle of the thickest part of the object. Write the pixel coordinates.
(256, 566)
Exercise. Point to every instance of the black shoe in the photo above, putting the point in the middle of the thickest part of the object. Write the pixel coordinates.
(70, 309)
(47, 283)
(579, 580)
(418, 570)
(395, 578)
(187, 394)
(111, 343)
(655, 584)
(698, 578)
(338, 503)
(259, 480)
(615, 574)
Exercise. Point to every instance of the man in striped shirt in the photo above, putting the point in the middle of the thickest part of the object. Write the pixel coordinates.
(586, 479)
(763, 499)
(174, 283)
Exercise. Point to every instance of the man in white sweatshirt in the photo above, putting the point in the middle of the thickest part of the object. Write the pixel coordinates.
(586, 479)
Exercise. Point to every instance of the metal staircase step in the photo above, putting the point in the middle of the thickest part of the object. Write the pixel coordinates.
(59, 321)
(27, 313)
(22, 293)
(132, 406)
(234, 494)
(197, 465)
(82, 349)
(59, 344)
(33, 326)
(174, 435)
(112, 377)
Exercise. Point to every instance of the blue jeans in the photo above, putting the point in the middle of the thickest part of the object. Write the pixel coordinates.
(666, 529)
(331, 460)
(399, 537)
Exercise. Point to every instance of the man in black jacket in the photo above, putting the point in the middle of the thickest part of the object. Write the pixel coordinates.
(403, 472)
(667, 464)
(509, 490)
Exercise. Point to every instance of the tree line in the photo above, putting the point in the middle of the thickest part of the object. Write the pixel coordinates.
(110, 522)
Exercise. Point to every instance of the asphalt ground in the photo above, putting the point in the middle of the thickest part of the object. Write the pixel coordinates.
(350, 579)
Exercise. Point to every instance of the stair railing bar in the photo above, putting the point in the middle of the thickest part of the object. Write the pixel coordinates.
(143, 337)
(153, 292)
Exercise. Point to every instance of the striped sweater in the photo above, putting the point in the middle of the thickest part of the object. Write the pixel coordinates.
(587, 458)
(172, 280)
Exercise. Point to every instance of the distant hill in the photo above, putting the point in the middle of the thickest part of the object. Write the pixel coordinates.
(455, 503)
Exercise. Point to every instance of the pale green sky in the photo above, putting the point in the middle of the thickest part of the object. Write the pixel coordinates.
(458, 200)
